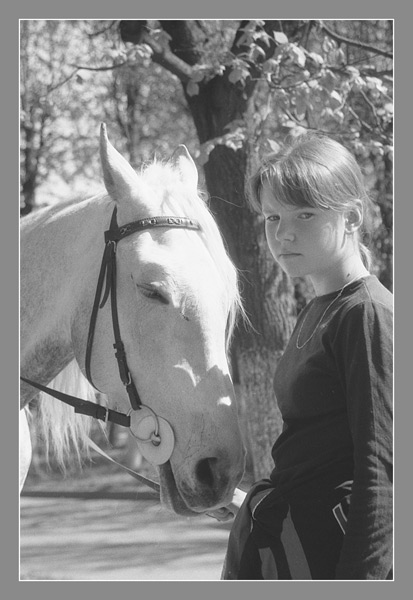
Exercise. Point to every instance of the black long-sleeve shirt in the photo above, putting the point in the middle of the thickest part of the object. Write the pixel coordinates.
(335, 396)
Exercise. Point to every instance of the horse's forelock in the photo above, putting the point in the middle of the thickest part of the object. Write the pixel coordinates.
(186, 201)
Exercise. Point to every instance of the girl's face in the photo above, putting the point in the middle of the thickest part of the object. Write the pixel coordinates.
(306, 241)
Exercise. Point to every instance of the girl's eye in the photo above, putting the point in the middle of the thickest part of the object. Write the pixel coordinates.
(306, 216)
(272, 218)
(154, 294)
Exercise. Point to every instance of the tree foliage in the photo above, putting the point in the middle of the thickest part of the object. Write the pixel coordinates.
(73, 75)
(331, 76)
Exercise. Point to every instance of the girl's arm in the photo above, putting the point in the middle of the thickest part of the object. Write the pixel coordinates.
(364, 354)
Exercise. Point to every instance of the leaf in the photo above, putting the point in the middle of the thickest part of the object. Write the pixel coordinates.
(328, 45)
(198, 74)
(270, 66)
(377, 148)
(141, 51)
(298, 56)
(234, 126)
(352, 72)
(161, 36)
(317, 58)
(300, 107)
(263, 37)
(280, 37)
(192, 88)
(335, 99)
(205, 151)
(313, 84)
(237, 75)
(257, 53)
(374, 83)
(275, 147)
(241, 40)
(328, 81)
(327, 112)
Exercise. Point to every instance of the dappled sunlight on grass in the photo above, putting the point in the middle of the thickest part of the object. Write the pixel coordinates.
(101, 524)
(117, 539)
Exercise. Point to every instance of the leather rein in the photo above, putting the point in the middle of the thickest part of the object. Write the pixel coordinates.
(107, 275)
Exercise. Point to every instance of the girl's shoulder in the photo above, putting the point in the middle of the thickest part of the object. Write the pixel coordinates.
(367, 299)
(371, 291)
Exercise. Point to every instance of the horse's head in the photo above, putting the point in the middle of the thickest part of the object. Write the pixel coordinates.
(177, 296)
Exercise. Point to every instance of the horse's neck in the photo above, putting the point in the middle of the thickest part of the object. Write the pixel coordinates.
(59, 252)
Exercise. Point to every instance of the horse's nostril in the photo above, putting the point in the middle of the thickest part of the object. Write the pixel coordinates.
(205, 471)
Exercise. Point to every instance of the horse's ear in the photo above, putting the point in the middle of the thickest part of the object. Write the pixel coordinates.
(119, 177)
(182, 161)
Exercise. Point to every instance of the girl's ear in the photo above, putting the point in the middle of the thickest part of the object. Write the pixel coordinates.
(354, 218)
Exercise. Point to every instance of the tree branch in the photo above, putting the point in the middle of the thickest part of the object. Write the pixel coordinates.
(103, 30)
(349, 42)
(109, 68)
(136, 32)
(164, 57)
(54, 87)
(186, 39)
(372, 108)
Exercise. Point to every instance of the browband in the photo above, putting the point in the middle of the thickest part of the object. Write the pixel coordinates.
(115, 233)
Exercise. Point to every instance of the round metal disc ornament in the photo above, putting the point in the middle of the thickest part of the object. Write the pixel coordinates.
(154, 435)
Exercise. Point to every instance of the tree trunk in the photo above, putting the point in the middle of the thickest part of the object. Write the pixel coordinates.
(29, 172)
(384, 171)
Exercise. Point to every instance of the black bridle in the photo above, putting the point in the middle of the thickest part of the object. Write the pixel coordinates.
(108, 274)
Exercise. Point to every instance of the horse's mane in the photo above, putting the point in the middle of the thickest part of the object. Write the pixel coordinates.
(70, 440)
(67, 443)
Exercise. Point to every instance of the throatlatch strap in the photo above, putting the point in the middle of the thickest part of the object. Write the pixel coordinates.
(84, 407)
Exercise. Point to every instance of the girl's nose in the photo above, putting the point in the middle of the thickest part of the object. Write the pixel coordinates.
(284, 232)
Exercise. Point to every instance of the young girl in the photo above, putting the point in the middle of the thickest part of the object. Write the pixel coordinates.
(326, 510)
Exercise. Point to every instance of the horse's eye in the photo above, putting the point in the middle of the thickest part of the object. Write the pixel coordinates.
(154, 294)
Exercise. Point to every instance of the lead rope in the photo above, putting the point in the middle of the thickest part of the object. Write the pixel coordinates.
(152, 484)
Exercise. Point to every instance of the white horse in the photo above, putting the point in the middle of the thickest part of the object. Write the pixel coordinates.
(177, 301)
